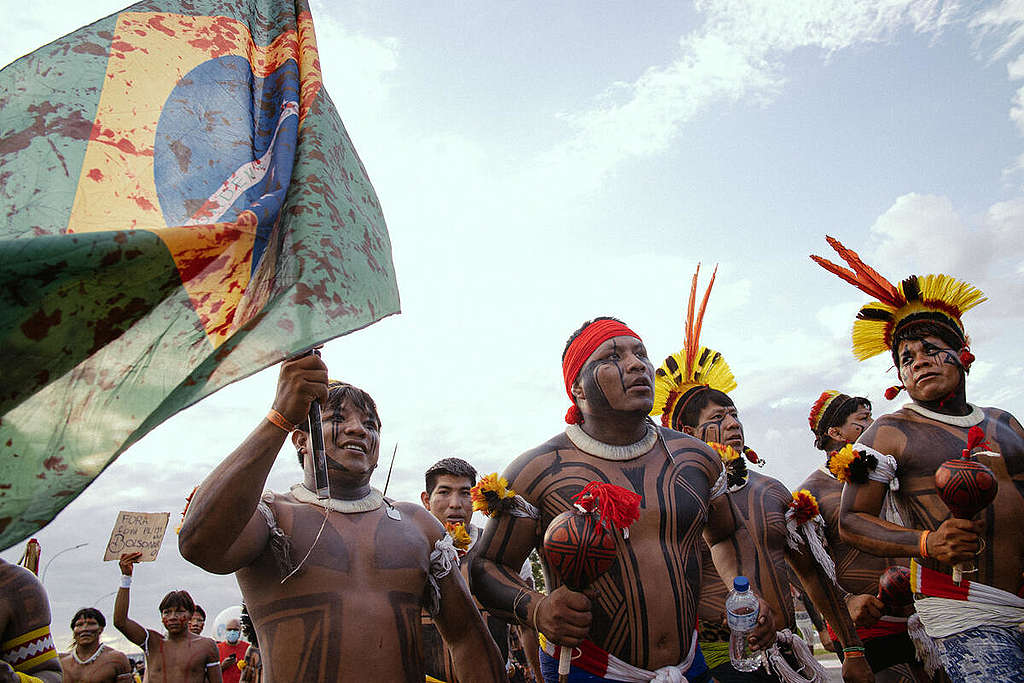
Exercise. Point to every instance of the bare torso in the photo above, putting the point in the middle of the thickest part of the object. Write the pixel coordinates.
(857, 572)
(762, 506)
(183, 659)
(352, 612)
(646, 607)
(106, 668)
(920, 445)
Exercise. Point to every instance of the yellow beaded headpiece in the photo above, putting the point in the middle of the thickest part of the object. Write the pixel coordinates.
(694, 367)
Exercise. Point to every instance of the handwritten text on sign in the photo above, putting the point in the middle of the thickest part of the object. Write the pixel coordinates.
(137, 532)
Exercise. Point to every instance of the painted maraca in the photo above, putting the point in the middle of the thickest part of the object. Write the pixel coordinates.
(579, 544)
(966, 487)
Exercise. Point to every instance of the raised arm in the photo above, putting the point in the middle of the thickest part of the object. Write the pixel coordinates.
(132, 630)
(222, 531)
(861, 524)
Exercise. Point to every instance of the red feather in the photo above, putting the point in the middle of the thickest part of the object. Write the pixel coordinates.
(689, 339)
(863, 277)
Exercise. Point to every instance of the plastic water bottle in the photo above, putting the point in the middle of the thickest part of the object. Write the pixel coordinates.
(742, 608)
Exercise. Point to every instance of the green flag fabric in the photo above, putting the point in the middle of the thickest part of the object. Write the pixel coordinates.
(180, 207)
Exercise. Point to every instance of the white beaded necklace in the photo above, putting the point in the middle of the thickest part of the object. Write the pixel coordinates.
(969, 420)
(371, 501)
(599, 449)
(83, 662)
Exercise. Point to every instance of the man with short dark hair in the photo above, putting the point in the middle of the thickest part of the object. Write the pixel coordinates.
(334, 585)
(89, 660)
(180, 655)
(447, 495)
(640, 615)
(198, 621)
(895, 508)
(26, 646)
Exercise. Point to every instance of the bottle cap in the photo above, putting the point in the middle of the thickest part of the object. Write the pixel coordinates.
(741, 584)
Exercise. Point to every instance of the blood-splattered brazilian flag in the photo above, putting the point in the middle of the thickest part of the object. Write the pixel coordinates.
(180, 206)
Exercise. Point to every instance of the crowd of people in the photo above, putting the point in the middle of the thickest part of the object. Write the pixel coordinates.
(354, 586)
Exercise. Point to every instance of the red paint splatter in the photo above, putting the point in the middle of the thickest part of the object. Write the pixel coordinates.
(95, 174)
(143, 203)
(157, 23)
(39, 324)
(55, 464)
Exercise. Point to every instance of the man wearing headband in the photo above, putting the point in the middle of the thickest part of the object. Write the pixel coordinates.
(637, 620)
(896, 509)
(836, 420)
(334, 585)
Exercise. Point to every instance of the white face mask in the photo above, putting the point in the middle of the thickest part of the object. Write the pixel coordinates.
(232, 636)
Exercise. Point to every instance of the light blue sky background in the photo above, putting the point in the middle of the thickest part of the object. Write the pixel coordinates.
(543, 163)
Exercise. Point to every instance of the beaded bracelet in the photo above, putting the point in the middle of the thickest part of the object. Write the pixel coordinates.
(278, 420)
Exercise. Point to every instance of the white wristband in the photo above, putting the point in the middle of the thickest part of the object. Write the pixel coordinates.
(126, 581)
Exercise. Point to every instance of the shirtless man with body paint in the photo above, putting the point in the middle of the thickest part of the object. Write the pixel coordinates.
(644, 609)
(334, 587)
(89, 660)
(180, 655)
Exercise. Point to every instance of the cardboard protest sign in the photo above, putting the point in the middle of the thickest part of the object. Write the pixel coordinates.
(137, 532)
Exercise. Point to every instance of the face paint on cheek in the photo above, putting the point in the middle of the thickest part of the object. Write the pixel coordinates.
(592, 388)
(710, 431)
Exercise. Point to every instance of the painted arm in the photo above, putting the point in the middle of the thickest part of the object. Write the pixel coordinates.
(473, 651)
(132, 630)
(726, 536)
(222, 531)
(27, 610)
(861, 526)
(531, 648)
(827, 597)
(563, 615)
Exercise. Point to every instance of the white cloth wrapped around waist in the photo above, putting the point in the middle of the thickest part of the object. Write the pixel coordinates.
(943, 617)
(618, 670)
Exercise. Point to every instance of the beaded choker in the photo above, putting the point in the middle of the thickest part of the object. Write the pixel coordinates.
(599, 449)
(371, 501)
(969, 420)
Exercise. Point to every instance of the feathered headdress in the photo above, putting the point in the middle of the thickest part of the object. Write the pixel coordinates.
(935, 298)
(692, 367)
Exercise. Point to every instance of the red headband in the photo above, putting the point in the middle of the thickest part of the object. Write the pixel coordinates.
(579, 351)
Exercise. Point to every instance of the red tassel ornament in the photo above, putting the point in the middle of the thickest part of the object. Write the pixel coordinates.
(573, 415)
(893, 391)
(966, 358)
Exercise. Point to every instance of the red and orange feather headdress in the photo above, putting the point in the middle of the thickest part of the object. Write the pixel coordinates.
(694, 365)
(937, 298)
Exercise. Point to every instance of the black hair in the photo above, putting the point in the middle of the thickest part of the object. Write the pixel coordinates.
(337, 393)
(89, 613)
(917, 330)
(178, 599)
(200, 611)
(689, 406)
(835, 417)
(582, 327)
(455, 467)
(248, 628)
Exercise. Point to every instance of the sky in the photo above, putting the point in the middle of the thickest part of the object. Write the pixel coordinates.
(540, 164)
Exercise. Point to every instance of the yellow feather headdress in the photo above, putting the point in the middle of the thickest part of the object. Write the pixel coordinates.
(693, 366)
(936, 298)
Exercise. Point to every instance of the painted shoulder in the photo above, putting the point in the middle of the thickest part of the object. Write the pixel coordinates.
(538, 455)
(418, 515)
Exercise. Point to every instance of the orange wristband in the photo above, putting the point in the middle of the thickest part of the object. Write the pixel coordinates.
(852, 653)
(924, 543)
(278, 420)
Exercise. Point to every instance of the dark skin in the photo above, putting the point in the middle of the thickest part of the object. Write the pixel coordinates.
(935, 379)
(180, 655)
(761, 506)
(109, 667)
(352, 611)
(23, 609)
(451, 502)
(643, 610)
